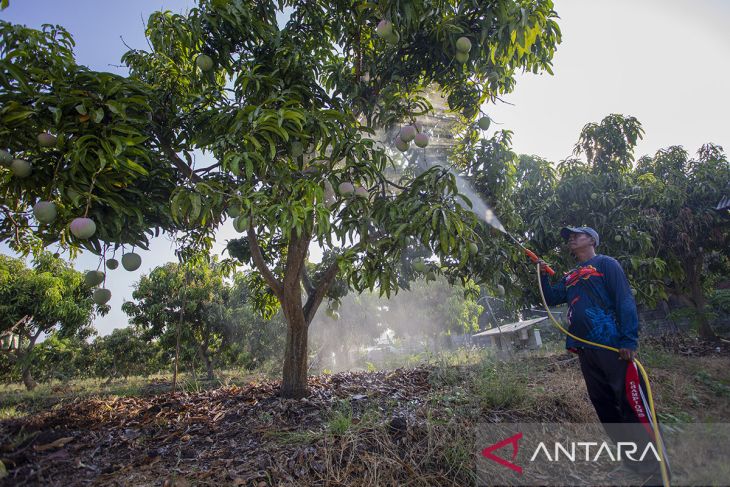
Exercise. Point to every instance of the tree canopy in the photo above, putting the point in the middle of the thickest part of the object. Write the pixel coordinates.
(50, 296)
(284, 114)
(187, 300)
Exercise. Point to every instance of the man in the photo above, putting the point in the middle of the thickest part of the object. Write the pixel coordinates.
(601, 309)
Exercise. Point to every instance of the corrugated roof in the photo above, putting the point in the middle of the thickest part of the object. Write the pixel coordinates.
(510, 327)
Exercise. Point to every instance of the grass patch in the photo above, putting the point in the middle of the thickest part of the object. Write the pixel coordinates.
(502, 385)
(294, 437)
(10, 412)
(344, 420)
(458, 456)
(340, 420)
(656, 357)
(718, 387)
(675, 417)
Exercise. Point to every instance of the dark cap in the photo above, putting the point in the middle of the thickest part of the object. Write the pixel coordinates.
(566, 231)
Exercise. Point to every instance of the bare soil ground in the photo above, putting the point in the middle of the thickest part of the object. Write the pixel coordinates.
(399, 427)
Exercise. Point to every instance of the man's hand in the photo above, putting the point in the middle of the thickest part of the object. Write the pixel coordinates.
(627, 354)
(543, 266)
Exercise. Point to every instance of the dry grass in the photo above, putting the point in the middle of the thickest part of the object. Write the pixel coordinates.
(439, 445)
(428, 439)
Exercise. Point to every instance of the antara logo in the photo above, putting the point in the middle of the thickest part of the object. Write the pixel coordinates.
(514, 441)
(572, 451)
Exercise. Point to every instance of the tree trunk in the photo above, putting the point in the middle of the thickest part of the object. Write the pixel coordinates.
(694, 271)
(294, 381)
(298, 316)
(28, 381)
(205, 357)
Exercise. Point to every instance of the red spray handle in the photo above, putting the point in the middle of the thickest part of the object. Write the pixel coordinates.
(533, 257)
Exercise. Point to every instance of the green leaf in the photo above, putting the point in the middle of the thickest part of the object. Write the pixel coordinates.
(98, 115)
(15, 116)
(196, 207)
(134, 167)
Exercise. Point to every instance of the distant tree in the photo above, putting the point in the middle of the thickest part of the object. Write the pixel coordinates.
(194, 296)
(49, 297)
(682, 193)
(252, 337)
(124, 353)
(348, 323)
(62, 358)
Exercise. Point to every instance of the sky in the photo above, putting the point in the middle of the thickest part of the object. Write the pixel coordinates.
(664, 62)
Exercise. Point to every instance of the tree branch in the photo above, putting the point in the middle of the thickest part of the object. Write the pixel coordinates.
(394, 184)
(207, 169)
(179, 163)
(296, 253)
(323, 286)
(308, 286)
(15, 224)
(258, 260)
(22, 321)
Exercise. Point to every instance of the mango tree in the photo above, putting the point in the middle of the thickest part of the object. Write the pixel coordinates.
(122, 353)
(50, 296)
(230, 113)
(656, 217)
(682, 193)
(185, 301)
(600, 190)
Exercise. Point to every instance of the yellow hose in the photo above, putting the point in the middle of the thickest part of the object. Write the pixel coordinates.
(655, 421)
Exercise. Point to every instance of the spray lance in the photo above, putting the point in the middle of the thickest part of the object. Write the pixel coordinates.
(491, 219)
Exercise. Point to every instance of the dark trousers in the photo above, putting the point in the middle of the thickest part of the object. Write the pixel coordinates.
(618, 393)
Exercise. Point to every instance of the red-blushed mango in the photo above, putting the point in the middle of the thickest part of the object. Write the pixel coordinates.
(421, 140)
(407, 133)
(384, 28)
(83, 228)
(346, 188)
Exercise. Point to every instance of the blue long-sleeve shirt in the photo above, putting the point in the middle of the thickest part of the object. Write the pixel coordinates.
(601, 307)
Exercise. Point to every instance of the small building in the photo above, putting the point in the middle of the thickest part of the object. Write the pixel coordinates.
(522, 335)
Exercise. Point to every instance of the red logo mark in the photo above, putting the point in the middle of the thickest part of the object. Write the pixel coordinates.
(581, 273)
(514, 440)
